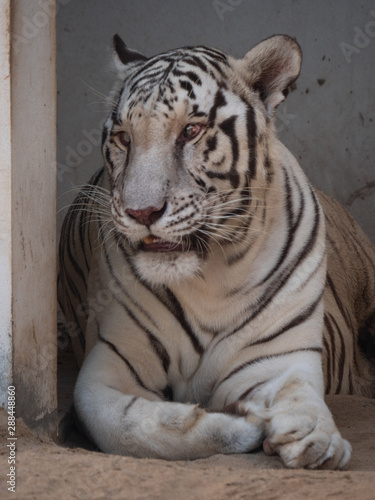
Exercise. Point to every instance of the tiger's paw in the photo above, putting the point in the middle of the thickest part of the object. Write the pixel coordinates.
(307, 441)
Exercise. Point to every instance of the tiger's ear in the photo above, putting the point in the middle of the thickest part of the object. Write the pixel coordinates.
(270, 67)
(124, 55)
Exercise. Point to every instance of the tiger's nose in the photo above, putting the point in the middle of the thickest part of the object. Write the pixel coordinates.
(146, 216)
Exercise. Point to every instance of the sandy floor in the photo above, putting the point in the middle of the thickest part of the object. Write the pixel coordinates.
(45, 470)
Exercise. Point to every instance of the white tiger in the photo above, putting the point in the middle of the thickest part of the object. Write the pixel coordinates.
(209, 245)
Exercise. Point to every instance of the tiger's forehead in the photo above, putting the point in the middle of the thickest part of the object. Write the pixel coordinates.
(170, 81)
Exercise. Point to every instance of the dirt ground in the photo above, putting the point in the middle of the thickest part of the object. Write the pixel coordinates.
(46, 470)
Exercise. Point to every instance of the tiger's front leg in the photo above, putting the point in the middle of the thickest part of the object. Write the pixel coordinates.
(123, 416)
(301, 429)
(299, 426)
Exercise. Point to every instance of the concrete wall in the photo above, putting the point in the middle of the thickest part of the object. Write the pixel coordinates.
(328, 122)
(6, 207)
(27, 210)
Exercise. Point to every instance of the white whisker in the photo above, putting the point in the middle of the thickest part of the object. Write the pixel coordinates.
(105, 98)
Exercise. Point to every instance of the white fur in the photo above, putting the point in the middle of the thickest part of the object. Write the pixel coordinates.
(166, 268)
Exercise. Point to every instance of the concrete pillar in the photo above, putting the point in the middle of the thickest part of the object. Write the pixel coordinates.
(27, 209)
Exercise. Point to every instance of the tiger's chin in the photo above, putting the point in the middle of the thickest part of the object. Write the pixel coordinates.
(167, 268)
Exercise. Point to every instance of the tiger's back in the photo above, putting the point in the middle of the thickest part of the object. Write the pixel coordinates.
(194, 265)
(349, 333)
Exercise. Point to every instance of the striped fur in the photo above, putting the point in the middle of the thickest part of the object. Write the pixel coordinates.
(195, 268)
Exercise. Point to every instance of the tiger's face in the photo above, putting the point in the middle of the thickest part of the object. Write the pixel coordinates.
(186, 150)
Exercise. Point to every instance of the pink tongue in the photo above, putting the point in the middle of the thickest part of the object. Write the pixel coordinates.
(162, 246)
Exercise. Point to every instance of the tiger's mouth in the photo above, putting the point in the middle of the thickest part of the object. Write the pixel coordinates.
(190, 243)
(155, 244)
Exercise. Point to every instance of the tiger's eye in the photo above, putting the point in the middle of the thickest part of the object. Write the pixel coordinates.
(124, 138)
(191, 131)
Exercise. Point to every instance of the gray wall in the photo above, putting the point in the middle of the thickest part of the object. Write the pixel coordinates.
(328, 121)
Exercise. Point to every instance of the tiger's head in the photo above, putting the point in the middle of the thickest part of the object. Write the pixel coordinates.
(186, 147)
